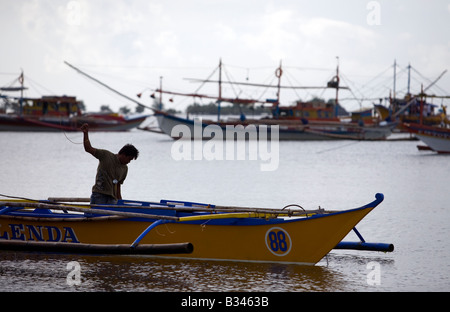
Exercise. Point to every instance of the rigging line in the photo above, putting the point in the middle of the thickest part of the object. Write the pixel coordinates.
(379, 75)
(238, 91)
(432, 83)
(290, 76)
(437, 87)
(12, 82)
(230, 79)
(321, 93)
(266, 89)
(290, 83)
(349, 82)
(423, 77)
(33, 83)
(337, 147)
(209, 77)
(108, 87)
(272, 79)
(377, 80)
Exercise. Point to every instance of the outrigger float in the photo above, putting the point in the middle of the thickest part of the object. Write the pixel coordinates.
(181, 229)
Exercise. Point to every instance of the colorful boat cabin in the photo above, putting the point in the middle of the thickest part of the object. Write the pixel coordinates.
(51, 106)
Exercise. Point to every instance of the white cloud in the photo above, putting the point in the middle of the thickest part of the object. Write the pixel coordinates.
(405, 36)
(225, 32)
(167, 42)
(341, 32)
(273, 35)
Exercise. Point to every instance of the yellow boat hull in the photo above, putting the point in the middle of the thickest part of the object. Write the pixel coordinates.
(294, 240)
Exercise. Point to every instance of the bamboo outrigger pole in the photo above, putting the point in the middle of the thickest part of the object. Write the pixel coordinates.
(214, 212)
(172, 205)
(87, 210)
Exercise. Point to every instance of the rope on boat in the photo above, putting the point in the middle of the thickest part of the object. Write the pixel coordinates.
(295, 205)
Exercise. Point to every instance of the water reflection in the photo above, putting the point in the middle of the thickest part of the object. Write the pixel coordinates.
(132, 273)
(154, 274)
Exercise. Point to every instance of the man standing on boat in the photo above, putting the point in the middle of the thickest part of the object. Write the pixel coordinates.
(111, 172)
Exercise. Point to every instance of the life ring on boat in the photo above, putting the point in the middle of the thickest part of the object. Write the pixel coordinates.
(278, 72)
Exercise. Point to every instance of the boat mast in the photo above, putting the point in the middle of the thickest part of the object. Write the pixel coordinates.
(278, 74)
(21, 93)
(337, 83)
(395, 76)
(336, 106)
(219, 100)
(160, 93)
(421, 105)
(409, 78)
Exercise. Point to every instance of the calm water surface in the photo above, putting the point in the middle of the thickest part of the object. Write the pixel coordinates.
(414, 216)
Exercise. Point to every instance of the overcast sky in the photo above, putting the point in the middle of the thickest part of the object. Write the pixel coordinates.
(130, 44)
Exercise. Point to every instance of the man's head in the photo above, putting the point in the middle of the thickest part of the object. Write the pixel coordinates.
(128, 153)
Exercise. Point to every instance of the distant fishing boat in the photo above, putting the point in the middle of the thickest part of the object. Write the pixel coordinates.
(302, 121)
(287, 130)
(409, 112)
(57, 113)
(436, 138)
(413, 108)
(182, 229)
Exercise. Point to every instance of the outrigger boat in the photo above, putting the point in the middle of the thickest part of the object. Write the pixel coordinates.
(436, 138)
(182, 229)
(56, 113)
(299, 122)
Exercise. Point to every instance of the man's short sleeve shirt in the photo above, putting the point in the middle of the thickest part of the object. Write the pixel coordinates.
(110, 172)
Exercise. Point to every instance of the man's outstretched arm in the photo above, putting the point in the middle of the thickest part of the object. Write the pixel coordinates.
(86, 143)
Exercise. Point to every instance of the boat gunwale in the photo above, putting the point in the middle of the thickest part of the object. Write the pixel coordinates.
(40, 214)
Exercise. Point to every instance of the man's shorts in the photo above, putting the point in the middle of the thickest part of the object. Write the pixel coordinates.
(102, 199)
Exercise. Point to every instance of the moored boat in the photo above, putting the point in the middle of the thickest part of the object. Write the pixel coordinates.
(62, 113)
(182, 229)
(436, 138)
(315, 120)
(177, 127)
(56, 113)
